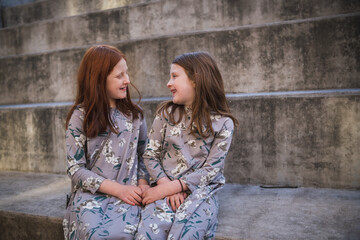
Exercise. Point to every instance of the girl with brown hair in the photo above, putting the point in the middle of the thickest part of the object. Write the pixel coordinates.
(105, 139)
(186, 151)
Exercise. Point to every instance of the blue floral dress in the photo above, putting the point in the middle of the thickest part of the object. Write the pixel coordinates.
(175, 153)
(91, 214)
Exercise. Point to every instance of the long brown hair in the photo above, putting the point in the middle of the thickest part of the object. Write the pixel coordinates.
(96, 65)
(201, 68)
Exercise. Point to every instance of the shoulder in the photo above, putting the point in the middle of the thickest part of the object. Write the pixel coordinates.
(77, 116)
(221, 122)
(164, 110)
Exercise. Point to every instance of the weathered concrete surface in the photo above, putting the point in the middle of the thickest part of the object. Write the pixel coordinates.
(299, 140)
(49, 9)
(319, 54)
(41, 194)
(23, 226)
(295, 139)
(251, 212)
(33, 139)
(154, 19)
(246, 212)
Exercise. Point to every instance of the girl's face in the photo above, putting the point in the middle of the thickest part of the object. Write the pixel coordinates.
(182, 88)
(117, 82)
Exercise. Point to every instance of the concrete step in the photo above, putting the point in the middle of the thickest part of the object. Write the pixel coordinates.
(32, 206)
(312, 54)
(156, 18)
(308, 138)
(50, 9)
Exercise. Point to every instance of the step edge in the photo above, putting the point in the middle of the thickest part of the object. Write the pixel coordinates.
(229, 96)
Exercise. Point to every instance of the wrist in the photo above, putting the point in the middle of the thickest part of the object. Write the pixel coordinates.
(142, 182)
(162, 190)
(163, 180)
(119, 190)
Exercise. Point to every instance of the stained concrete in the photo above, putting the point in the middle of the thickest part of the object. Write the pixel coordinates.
(246, 212)
(305, 55)
(49, 9)
(155, 18)
(298, 139)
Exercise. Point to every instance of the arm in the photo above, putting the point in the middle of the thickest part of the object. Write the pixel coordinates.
(165, 188)
(83, 177)
(152, 155)
(75, 153)
(211, 173)
(127, 193)
(143, 175)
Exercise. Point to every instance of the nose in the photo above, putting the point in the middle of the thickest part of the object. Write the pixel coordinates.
(127, 79)
(169, 84)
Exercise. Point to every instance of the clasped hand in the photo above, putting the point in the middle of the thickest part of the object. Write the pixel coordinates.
(142, 195)
(156, 193)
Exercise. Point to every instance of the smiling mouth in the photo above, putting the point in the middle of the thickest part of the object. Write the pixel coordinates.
(123, 89)
(173, 91)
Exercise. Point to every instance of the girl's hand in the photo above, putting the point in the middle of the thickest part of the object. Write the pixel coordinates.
(143, 185)
(130, 194)
(176, 200)
(153, 194)
(143, 188)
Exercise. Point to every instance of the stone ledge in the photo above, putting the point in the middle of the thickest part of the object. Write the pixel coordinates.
(246, 212)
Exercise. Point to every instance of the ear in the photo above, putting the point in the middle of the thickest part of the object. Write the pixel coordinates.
(193, 84)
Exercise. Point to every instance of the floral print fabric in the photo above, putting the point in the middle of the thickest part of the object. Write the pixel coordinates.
(175, 153)
(91, 214)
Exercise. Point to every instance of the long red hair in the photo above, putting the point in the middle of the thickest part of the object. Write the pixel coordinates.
(96, 65)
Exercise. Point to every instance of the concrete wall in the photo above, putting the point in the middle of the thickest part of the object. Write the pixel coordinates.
(298, 139)
(153, 19)
(319, 54)
(50, 9)
(12, 3)
(301, 138)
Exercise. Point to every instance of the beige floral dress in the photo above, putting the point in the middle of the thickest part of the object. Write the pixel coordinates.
(91, 214)
(175, 153)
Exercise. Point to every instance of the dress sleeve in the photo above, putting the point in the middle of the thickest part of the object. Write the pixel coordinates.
(75, 153)
(152, 155)
(211, 173)
(142, 172)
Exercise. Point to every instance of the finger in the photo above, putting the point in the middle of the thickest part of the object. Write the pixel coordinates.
(136, 197)
(181, 198)
(138, 191)
(129, 202)
(177, 203)
(147, 201)
(137, 200)
(173, 207)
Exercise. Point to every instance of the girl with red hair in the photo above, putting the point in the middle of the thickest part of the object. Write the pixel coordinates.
(105, 140)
